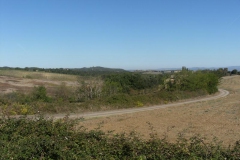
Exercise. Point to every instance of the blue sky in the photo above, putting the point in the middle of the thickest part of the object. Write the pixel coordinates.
(128, 34)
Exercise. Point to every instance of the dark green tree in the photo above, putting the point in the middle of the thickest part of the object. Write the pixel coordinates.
(40, 93)
(234, 71)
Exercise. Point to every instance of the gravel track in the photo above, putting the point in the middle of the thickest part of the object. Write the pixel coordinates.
(222, 93)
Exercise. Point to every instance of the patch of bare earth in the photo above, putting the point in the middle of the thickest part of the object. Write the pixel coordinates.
(10, 84)
(219, 118)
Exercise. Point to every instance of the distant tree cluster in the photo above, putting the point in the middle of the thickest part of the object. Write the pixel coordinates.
(220, 72)
(235, 72)
(224, 72)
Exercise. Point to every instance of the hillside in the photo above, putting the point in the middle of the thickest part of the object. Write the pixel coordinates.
(91, 71)
(99, 69)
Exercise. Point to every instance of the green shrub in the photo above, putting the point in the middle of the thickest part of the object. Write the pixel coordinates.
(139, 104)
(40, 93)
(119, 99)
(45, 139)
(194, 81)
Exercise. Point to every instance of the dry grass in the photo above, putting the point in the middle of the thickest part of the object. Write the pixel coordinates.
(38, 75)
(213, 119)
(24, 81)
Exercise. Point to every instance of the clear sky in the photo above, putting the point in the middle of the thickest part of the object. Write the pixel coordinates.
(128, 34)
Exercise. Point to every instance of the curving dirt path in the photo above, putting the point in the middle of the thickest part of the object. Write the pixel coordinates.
(215, 116)
(222, 93)
(217, 119)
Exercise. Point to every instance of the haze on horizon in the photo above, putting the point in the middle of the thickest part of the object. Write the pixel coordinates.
(136, 34)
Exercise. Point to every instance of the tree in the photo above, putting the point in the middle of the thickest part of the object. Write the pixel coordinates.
(194, 81)
(89, 89)
(184, 68)
(225, 71)
(111, 88)
(63, 92)
(234, 71)
(40, 93)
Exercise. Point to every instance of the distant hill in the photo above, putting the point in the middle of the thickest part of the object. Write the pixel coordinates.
(234, 67)
(5, 67)
(110, 70)
(230, 68)
(97, 69)
(167, 69)
(91, 71)
(201, 68)
(100, 69)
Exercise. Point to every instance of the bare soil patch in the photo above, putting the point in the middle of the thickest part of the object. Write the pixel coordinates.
(10, 84)
(219, 118)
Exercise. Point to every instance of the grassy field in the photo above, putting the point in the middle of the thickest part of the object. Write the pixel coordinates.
(38, 75)
(201, 130)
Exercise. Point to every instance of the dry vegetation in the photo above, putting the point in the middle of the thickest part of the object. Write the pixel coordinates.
(24, 81)
(64, 139)
(38, 75)
(212, 119)
(216, 118)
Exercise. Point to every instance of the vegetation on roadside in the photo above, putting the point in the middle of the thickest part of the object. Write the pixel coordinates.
(45, 139)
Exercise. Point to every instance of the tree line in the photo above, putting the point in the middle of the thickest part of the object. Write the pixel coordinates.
(91, 71)
(140, 84)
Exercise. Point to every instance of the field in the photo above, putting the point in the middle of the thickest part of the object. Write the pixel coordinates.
(212, 119)
(198, 130)
(37, 75)
(24, 80)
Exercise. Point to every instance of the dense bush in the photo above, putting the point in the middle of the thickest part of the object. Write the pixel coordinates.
(123, 83)
(45, 139)
(194, 81)
(40, 93)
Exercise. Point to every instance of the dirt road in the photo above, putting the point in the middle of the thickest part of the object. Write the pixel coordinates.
(222, 93)
(215, 116)
(217, 119)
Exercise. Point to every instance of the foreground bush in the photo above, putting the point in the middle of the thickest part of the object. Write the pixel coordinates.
(45, 139)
